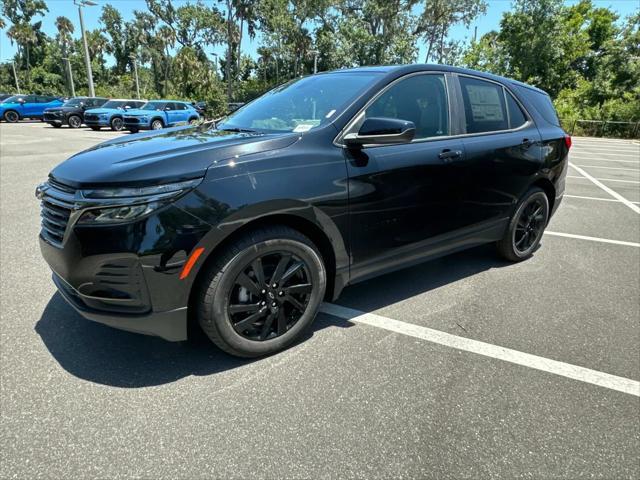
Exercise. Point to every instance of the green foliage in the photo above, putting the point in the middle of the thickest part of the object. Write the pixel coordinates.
(583, 55)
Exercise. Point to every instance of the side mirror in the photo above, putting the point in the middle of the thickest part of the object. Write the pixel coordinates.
(166, 109)
(21, 100)
(127, 107)
(382, 131)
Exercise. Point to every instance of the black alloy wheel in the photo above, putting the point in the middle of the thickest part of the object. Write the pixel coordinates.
(526, 227)
(74, 121)
(11, 116)
(117, 124)
(261, 293)
(269, 296)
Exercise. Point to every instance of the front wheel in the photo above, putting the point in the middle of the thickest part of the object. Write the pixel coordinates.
(117, 124)
(75, 121)
(526, 227)
(262, 292)
(157, 125)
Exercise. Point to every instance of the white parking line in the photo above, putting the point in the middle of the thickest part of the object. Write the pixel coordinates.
(621, 148)
(613, 193)
(606, 160)
(563, 369)
(596, 198)
(593, 239)
(591, 154)
(609, 168)
(605, 179)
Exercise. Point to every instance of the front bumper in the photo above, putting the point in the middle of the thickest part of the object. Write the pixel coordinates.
(123, 275)
(96, 123)
(170, 325)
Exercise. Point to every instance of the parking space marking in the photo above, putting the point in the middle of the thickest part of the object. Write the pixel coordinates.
(611, 192)
(589, 153)
(606, 160)
(596, 198)
(609, 168)
(606, 179)
(593, 239)
(575, 372)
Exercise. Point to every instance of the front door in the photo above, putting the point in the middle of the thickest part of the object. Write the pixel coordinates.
(404, 198)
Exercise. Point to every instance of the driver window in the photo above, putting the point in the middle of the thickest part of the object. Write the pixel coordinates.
(421, 99)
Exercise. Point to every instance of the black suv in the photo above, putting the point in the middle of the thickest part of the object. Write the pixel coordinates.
(245, 227)
(72, 111)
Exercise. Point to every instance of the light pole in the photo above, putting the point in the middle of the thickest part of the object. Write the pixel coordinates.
(70, 73)
(80, 4)
(215, 63)
(315, 60)
(135, 71)
(15, 76)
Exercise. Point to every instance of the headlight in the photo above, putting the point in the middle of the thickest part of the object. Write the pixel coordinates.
(167, 188)
(103, 115)
(127, 204)
(117, 214)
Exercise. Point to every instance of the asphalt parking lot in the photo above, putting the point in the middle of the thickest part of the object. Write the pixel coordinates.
(465, 367)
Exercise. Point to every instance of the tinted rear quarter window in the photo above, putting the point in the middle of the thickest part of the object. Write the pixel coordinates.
(516, 117)
(542, 103)
(484, 105)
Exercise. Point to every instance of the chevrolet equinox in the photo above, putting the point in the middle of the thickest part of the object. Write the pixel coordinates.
(245, 226)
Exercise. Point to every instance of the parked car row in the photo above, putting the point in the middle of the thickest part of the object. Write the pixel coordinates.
(99, 112)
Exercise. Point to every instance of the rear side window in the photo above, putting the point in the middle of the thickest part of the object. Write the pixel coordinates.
(178, 106)
(484, 106)
(542, 103)
(516, 117)
(421, 99)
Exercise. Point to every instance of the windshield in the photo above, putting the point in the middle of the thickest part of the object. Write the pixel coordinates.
(154, 106)
(13, 99)
(74, 102)
(114, 104)
(301, 104)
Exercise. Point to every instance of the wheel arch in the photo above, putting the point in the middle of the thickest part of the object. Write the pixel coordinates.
(549, 189)
(153, 119)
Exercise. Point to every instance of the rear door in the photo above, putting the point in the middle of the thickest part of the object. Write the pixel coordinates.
(30, 106)
(404, 197)
(502, 147)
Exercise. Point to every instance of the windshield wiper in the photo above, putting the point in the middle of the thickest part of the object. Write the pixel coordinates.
(237, 130)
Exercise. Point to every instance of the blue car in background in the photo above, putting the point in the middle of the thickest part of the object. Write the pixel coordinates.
(17, 107)
(159, 114)
(110, 114)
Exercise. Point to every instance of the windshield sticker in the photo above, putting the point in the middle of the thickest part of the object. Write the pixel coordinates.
(303, 127)
(330, 113)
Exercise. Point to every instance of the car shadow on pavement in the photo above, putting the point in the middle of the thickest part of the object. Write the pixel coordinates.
(104, 355)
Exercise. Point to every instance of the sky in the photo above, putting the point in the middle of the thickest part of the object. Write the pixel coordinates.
(489, 21)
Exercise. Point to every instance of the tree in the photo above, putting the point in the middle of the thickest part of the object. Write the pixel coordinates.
(436, 19)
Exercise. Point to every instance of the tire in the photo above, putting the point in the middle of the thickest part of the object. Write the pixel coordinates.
(278, 322)
(117, 124)
(11, 116)
(133, 129)
(157, 124)
(74, 121)
(193, 121)
(95, 129)
(526, 226)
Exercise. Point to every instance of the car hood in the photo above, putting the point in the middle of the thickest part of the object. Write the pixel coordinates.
(9, 105)
(104, 110)
(136, 112)
(62, 109)
(151, 158)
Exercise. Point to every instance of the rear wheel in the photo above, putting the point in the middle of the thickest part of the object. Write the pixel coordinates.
(75, 121)
(117, 124)
(11, 116)
(262, 292)
(526, 227)
(157, 124)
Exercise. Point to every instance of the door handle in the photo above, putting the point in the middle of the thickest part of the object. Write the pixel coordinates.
(449, 155)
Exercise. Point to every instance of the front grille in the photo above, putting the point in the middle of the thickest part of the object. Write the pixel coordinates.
(57, 204)
(131, 120)
(91, 117)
